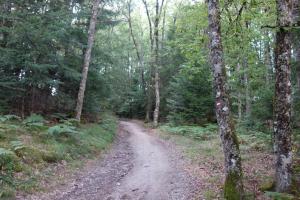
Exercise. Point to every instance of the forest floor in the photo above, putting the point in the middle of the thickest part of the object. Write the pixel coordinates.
(159, 164)
(140, 165)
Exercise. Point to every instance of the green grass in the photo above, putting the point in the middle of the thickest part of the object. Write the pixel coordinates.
(28, 147)
(196, 132)
(202, 146)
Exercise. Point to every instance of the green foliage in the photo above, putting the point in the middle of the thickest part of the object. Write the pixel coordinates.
(196, 132)
(279, 196)
(34, 121)
(190, 99)
(70, 122)
(28, 152)
(7, 159)
(41, 56)
(62, 129)
(5, 118)
(8, 164)
(17, 145)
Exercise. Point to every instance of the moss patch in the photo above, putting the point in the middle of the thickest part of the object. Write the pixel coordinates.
(231, 189)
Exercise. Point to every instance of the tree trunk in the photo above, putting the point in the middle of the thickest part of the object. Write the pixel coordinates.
(296, 38)
(298, 63)
(247, 89)
(158, 10)
(233, 188)
(268, 59)
(87, 58)
(240, 104)
(139, 53)
(149, 88)
(283, 99)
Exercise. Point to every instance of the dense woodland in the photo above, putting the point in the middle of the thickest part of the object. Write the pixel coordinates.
(235, 63)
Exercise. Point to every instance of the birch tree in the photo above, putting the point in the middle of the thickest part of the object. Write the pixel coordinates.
(87, 58)
(154, 47)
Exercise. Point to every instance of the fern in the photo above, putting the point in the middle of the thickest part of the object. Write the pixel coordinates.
(7, 159)
(5, 118)
(17, 145)
(279, 196)
(5, 152)
(71, 122)
(62, 129)
(34, 118)
(34, 121)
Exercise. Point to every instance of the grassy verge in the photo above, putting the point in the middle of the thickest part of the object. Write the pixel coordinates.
(202, 146)
(29, 147)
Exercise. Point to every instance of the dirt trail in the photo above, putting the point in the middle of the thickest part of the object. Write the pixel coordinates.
(139, 167)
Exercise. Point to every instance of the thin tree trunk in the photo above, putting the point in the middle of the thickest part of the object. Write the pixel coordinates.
(268, 59)
(298, 63)
(296, 38)
(149, 88)
(239, 93)
(247, 89)
(233, 188)
(139, 53)
(283, 99)
(156, 78)
(158, 10)
(154, 45)
(87, 58)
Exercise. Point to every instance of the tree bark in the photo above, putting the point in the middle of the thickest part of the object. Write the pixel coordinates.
(247, 89)
(149, 88)
(296, 38)
(139, 53)
(87, 59)
(268, 59)
(158, 10)
(154, 45)
(233, 188)
(240, 104)
(297, 52)
(283, 99)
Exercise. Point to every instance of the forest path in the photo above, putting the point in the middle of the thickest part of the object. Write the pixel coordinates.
(140, 166)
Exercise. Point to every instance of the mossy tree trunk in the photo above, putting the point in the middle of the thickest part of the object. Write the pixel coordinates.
(283, 98)
(233, 188)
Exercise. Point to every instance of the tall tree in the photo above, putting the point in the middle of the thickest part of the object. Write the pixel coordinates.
(87, 58)
(154, 47)
(158, 11)
(138, 50)
(283, 98)
(149, 88)
(233, 188)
